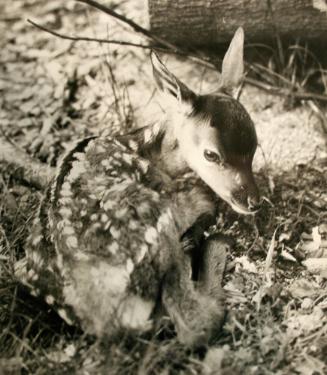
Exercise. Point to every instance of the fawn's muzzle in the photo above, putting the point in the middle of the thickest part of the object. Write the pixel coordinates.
(245, 196)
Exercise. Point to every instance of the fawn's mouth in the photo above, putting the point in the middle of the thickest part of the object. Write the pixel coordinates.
(240, 208)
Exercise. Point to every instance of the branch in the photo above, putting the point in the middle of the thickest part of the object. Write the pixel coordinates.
(24, 167)
(136, 27)
(279, 91)
(87, 39)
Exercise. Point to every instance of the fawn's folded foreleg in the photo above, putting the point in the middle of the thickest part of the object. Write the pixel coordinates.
(212, 265)
(197, 307)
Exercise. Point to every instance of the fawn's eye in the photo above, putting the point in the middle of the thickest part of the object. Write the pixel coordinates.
(211, 156)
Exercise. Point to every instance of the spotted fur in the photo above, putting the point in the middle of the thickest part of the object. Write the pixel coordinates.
(114, 235)
(109, 238)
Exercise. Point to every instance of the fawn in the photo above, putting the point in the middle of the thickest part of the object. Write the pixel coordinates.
(115, 230)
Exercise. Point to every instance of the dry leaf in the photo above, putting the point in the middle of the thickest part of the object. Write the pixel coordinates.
(308, 365)
(316, 265)
(303, 288)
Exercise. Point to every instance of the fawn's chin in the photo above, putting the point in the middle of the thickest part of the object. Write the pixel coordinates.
(241, 209)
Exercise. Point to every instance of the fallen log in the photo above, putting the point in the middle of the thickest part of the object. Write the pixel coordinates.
(208, 22)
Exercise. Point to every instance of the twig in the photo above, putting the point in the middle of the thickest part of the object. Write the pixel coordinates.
(87, 39)
(303, 95)
(136, 27)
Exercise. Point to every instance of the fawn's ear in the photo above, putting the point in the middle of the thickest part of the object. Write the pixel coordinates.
(233, 66)
(170, 85)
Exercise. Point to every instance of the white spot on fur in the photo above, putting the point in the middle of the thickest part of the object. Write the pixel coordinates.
(35, 292)
(133, 145)
(104, 218)
(36, 258)
(66, 193)
(117, 143)
(142, 252)
(94, 217)
(129, 265)
(50, 221)
(106, 227)
(121, 213)
(79, 156)
(144, 165)
(115, 232)
(78, 169)
(37, 240)
(96, 226)
(49, 299)
(147, 135)
(36, 221)
(151, 235)
(65, 212)
(109, 205)
(105, 163)
(71, 241)
(68, 230)
(81, 256)
(237, 178)
(49, 268)
(99, 149)
(143, 208)
(66, 186)
(65, 201)
(60, 261)
(133, 224)
(164, 221)
(128, 159)
(63, 314)
(156, 128)
(63, 223)
(113, 248)
(83, 213)
(30, 273)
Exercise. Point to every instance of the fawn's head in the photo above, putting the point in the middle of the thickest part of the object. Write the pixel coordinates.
(215, 134)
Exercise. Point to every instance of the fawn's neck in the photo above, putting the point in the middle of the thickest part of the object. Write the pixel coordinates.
(158, 144)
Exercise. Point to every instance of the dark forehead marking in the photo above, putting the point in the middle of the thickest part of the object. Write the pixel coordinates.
(235, 129)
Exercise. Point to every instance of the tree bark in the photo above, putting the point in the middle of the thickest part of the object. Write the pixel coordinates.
(209, 22)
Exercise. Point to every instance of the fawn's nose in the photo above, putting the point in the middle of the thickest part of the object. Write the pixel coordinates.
(254, 203)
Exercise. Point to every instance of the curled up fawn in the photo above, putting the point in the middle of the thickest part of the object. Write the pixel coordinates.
(115, 230)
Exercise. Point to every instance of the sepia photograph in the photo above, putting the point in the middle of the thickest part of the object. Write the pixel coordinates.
(163, 187)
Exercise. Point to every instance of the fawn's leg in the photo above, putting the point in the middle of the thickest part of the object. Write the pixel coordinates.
(196, 308)
(212, 264)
